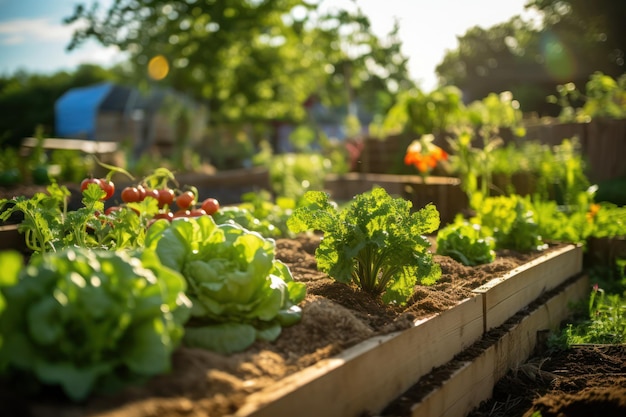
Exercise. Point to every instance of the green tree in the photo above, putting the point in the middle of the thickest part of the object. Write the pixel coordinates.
(573, 40)
(597, 26)
(250, 60)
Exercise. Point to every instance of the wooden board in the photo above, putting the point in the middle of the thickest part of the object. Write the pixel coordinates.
(505, 296)
(474, 381)
(366, 377)
(86, 146)
(11, 239)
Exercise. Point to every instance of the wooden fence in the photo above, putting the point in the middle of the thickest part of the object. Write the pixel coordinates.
(603, 146)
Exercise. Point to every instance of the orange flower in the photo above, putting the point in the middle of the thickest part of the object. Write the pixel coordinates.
(424, 155)
(593, 211)
(439, 153)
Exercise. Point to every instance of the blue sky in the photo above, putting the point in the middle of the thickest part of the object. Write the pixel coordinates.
(33, 37)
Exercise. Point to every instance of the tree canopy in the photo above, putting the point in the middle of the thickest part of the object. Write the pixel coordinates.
(574, 39)
(250, 59)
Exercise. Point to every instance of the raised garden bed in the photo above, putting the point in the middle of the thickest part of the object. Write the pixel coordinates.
(470, 378)
(379, 369)
(605, 251)
(349, 356)
(10, 238)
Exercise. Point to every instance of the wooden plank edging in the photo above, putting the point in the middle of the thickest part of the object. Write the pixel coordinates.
(505, 296)
(367, 376)
(474, 381)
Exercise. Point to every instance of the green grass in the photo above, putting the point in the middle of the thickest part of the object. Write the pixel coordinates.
(602, 319)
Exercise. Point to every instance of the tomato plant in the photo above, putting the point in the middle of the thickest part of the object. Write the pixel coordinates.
(105, 185)
(108, 186)
(197, 212)
(166, 197)
(167, 215)
(111, 209)
(186, 200)
(85, 183)
(153, 193)
(210, 205)
(181, 213)
(131, 195)
(142, 192)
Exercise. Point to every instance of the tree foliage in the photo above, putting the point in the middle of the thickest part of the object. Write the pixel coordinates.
(574, 39)
(250, 60)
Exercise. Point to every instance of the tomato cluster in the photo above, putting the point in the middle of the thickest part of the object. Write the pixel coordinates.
(172, 202)
(169, 199)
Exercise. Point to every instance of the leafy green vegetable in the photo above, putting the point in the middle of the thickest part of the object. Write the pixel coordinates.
(49, 226)
(609, 220)
(240, 292)
(275, 212)
(464, 242)
(245, 218)
(375, 241)
(11, 262)
(92, 319)
(44, 214)
(511, 221)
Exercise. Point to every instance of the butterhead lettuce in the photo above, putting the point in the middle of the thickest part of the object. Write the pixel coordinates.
(92, 319)
(240, 292)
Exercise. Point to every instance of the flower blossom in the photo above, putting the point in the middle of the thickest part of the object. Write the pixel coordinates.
(424, 155)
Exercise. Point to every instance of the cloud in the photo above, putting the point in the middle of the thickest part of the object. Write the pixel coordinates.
(93, 53)
(18, 31)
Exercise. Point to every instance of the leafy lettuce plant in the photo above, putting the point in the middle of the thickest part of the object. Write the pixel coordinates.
(92, 319)
(376, 241)
(240, 292)
(464, 242)
(511, 221)
(48, 225)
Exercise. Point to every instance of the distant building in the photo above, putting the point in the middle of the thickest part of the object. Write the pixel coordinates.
(110, 112)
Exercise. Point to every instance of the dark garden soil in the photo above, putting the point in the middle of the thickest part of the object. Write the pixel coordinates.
(335, 317)
(582, 381)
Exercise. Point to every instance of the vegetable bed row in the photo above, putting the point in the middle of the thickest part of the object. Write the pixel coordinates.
(107, 295)
(382, 368)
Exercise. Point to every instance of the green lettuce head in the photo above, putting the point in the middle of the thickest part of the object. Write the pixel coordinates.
(92, 319)
(240, 292)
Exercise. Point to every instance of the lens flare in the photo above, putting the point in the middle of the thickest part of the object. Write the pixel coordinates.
(158, 67)
(558, 59)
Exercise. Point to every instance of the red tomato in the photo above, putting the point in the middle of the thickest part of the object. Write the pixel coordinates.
(85, 183)
(112, 209)
(152, 193)
(130, 195)
(182, 213)
(164, 215)
(197, 212)
(108, 186)
(185, 200)
(210, 205)
(166, 197)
